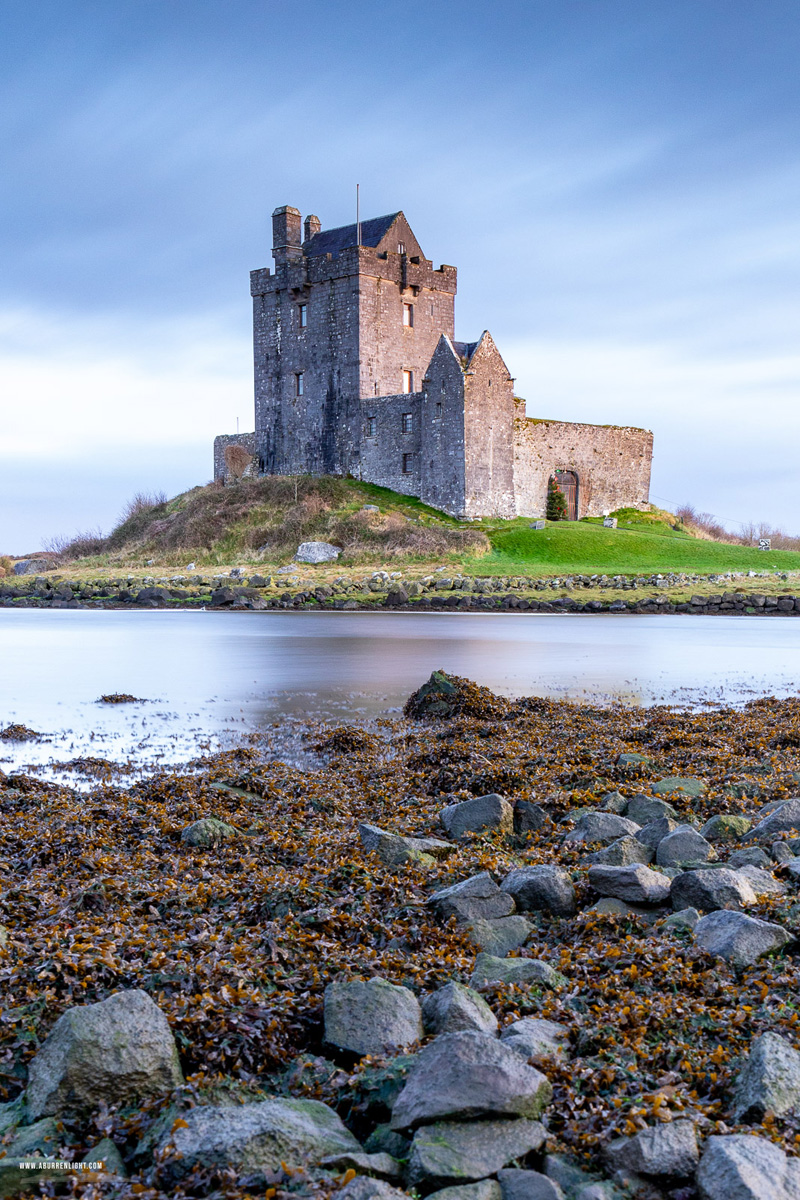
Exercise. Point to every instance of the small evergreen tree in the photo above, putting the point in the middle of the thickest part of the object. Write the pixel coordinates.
(556, 503)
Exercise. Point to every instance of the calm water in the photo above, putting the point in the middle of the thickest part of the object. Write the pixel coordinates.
(210, 677)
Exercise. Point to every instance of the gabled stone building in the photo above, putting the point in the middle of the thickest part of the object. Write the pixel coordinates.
(357, 371)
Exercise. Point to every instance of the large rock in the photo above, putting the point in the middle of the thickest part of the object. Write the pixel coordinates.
(371, 1017)
(466, 1076)
(317, 552)
(489, 969)
(482, 814)
(529, 817)
(681, 785)
(726, 827)
(600, 827)
(762, 882)
(207, 832)
(253, 1137)
(365, 1188)
(476, 898)
(395, 850)
(501, 935)
(451, 1152)
(624, 852)
(741, 1166)
(636, 884)
(770, 1081)
(118, 1051)
(486, 1189)
(669, 1151)
(654, 832)
(454, 1007)
(785, 816)
(739, 939)
(644, 809)
(543, 888)
(707, 890)
(749, 856)
(684, 845)
(534, 1037)
(516, 1184)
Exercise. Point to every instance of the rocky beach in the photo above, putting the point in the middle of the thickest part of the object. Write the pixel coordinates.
(494, 949)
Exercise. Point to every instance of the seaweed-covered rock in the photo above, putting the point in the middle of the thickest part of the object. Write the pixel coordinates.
(371, 1017)
(466, 1076)
(395, 850)
(117, 1051)
(681, 785)
(726, 827)
(207, 832)
(445, 696)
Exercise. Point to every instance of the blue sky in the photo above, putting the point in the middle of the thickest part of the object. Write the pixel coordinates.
(618, 183)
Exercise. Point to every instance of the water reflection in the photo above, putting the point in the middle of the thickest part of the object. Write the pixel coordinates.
(209, 676)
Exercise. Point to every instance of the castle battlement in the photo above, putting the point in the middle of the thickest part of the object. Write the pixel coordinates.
(357, 371)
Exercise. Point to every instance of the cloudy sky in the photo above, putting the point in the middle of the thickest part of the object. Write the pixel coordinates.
(618, 183)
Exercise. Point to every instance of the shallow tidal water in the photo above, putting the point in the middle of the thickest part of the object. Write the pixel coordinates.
(206, 679)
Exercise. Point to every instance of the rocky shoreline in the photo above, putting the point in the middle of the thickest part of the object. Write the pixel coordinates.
(578, 594)
(494, 950)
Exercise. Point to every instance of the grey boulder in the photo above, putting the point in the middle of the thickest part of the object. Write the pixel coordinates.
(644, 809)
(749, 856)
(370, 1017)
(542, 888)
(785, 816)
(529, 817)
(451, 1152)
(480, 815)
(762, 882)
(395, 850)
(516, 1184)
(739, 939)
(636, 884)
(466, 1076)
(117, 1051)
(669, 1150)
(710, 889)
(486, 1189)
(365, 1188)
(684, 845)
(455, 1007)
(624, 852)
(207, 832)
(489, 969)
(476, 898)
(600, 827)
(501, 935)
(654, 832)
(254, 1137)
(317, 552)
(535, 1037)
(740, 1166)
(770, 1081)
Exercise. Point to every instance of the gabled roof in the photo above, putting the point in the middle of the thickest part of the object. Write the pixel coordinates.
(331, 241)
(465, 350)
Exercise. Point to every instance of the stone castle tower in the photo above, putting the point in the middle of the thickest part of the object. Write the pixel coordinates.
(357, 371)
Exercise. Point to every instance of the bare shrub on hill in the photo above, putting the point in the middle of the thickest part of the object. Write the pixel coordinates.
(706, 525)
(80, 545)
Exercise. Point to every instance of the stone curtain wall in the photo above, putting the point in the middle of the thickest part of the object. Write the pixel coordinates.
(221, 444)
(489, 434)
(382, 455)
(612, 464)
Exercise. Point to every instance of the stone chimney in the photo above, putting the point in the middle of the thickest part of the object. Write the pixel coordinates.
(286, 244)
(311, 225)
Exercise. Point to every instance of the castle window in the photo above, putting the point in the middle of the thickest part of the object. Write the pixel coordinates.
(401, 247)
(407, 422)
(408, 464)
(299, 384)
(438, 410)
(303, 314)
(408, 381)
(370, 427)
(408, 316)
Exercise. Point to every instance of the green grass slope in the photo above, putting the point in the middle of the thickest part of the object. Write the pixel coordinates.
(585, 548)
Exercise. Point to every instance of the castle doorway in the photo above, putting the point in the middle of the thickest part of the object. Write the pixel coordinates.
(568, 483)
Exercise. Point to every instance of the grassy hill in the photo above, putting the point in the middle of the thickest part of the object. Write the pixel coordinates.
(260, 522)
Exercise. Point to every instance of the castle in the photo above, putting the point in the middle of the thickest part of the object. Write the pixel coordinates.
(357, 372)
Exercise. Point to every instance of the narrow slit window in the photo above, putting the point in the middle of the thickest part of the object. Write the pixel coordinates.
(401, 247)
(303, 313)
(407, 421)
(299, 384)
(408, 464)
(408, 316)
(408, 382)
(371, 427)
(438, 410)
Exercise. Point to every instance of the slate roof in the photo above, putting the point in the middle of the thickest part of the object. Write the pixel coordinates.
(331, 241)
(465, 350)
